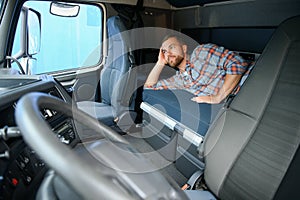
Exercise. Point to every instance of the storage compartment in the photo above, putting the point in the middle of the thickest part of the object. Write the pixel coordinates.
(175, 126)
(187, 161)
(160, 137)
(169, 114)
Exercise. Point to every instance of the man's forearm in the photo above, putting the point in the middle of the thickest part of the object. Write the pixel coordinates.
(230, 83)
(154, 74)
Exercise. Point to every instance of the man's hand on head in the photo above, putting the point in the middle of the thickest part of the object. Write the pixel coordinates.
(161, 57)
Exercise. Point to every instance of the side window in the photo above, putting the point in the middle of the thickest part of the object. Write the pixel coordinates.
(70, 37)
(1, 9)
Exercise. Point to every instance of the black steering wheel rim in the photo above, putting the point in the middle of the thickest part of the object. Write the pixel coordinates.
(38, 134)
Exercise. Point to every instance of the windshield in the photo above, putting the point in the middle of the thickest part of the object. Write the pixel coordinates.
(64, 37)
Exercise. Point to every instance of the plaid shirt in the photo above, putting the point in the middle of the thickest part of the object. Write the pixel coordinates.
(205, 73)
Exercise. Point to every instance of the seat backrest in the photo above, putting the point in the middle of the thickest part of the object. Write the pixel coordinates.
(117, 62)
(251, 150)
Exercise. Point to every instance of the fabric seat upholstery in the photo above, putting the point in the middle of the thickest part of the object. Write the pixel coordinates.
(113, 76)
(251, 150)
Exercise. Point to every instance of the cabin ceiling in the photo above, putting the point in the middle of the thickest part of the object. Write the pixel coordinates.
(180, 3)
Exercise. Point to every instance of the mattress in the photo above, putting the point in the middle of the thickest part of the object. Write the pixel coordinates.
(177, 105)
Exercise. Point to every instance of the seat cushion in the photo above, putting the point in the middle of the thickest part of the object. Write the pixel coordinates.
(102, 112)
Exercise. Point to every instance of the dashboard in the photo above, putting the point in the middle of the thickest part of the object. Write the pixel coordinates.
(21, 170)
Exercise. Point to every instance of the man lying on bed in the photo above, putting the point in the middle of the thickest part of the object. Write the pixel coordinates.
(211, 74)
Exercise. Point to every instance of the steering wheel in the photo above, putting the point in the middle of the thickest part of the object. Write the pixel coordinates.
(113, 170)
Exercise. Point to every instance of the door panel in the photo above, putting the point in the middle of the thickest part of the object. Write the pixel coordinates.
(81, 86)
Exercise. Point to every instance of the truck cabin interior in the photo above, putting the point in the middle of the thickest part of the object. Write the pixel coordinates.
(77, 123)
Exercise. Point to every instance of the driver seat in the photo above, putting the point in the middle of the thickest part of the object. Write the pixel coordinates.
(252, 149)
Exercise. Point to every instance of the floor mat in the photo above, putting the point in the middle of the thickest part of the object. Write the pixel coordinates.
(166, 167)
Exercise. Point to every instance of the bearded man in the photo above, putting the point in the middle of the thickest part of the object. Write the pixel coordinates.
(211, 74)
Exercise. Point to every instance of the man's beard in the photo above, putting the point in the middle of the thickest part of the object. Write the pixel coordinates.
(175, 63)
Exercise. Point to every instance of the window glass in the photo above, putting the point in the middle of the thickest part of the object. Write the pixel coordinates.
(17, 50)
(66, 42)
(1, 8)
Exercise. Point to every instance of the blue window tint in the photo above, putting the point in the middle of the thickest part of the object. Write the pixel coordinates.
(66, 42)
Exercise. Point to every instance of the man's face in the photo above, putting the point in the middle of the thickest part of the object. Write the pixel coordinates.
(173, 52)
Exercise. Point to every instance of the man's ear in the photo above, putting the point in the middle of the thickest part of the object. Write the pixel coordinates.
(184, 47)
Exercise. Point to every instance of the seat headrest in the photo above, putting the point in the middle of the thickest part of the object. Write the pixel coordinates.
(258, 87)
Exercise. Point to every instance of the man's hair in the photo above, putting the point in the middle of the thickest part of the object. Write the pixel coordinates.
(177, 36)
